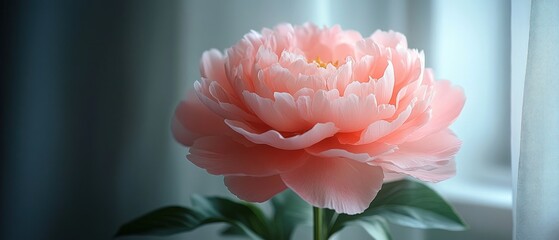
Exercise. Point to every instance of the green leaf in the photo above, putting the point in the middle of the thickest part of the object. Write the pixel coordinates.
(163, 221)
(289, 211)
(242, 217)
(408, 203)
(376, 227)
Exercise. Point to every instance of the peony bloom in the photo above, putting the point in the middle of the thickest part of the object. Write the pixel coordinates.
(322, 111)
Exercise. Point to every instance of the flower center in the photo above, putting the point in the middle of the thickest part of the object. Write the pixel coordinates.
(322, 64)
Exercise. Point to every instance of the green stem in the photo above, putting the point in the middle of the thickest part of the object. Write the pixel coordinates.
(318, 223)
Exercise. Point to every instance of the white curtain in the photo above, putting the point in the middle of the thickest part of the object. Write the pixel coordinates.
(537, 183)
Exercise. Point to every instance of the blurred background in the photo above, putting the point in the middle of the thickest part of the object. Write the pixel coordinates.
(90, 87)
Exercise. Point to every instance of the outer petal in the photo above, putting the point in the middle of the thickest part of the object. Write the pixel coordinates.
(223, 109)
(332, 148)
(254, 189)
(443, 172)
(446, 105)
(220, 155)
(425, 159)
(341, 184)
(273, 138)
(193, 120)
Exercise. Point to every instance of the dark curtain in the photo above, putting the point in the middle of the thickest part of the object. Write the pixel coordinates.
(74, 76)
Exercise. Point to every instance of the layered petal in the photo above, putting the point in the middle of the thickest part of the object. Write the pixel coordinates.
(221, 155)
(273, 138)
(254, 189)
(390, 39)
(332, 148)
(193, 120)
(446, 105)
(344, 185)
(226, 110)
(428, 159)
(280, 113)
(349, 113)
(212, 67)
(377, 130)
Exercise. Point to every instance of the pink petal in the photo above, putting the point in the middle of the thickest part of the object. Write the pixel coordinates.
(341, 51)
(332, 148)
(446, 105)
(273, 138)
(367, 48)
(350, 113)
(385, 85)
(220, 155)
(265, 57)
(390, 39)
(443, 172)
(212, 67)
(193, 120)
(425, 158)
(377, 129)
(410, 126)
(341, 184)
(273, 79)
(341, 77)
(254, 189)
(224, 109)
(280, 113)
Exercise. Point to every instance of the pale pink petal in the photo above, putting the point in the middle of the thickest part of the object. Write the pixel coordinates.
(332, 148)
(369, 67)
(385, 85)
(446, 105)
(223, 109)
(193, 120)
(341, 78)
(341, 51)
(390, 39)
(265, 57)
(408, 68)
(367, 48)
(273, 79)
(314, 82)
(273, 138)
(182, 134)
(392, 176)
(344, 185)
(281, 113)
(414, 122)
(377, 130)
(381, 88)
(212, 67)
(254, 189)
(425, 155)
(350, 113)
(220, 155)
(442, 172)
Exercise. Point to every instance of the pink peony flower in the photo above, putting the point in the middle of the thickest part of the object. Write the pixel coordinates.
(322, 111)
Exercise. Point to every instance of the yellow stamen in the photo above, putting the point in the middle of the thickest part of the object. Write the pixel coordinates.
(322, 64)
